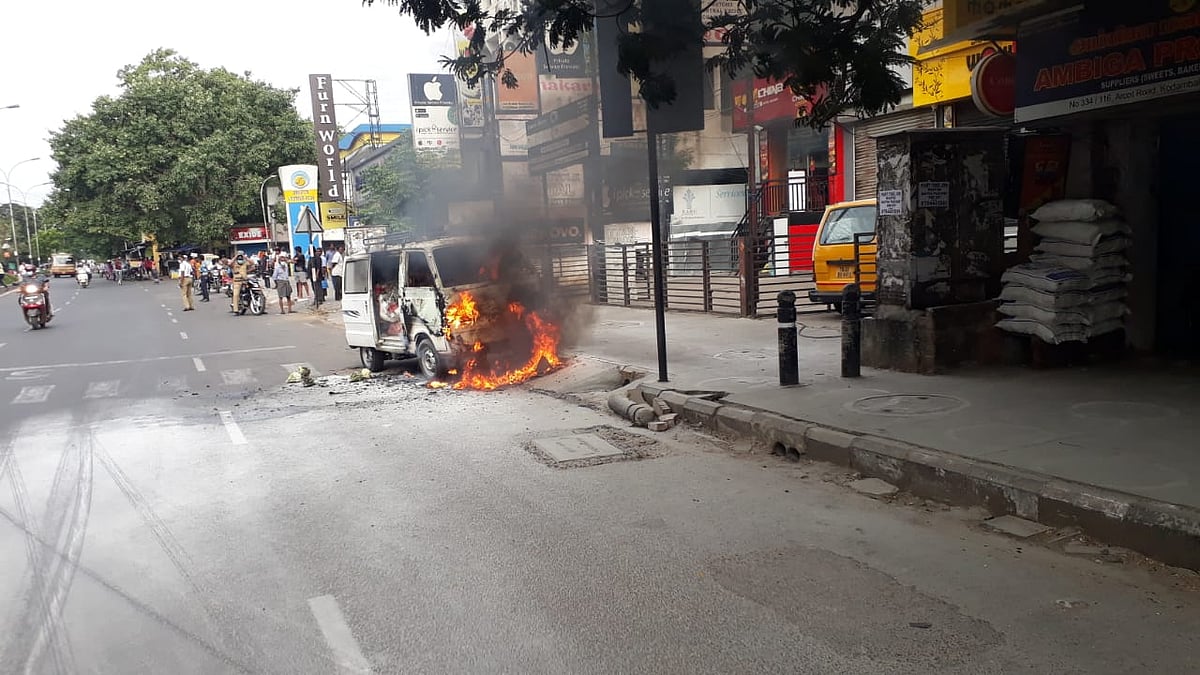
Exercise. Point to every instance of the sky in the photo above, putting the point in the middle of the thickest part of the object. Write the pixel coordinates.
(58, 56)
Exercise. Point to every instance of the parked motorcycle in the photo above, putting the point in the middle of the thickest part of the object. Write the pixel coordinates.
(252, 297)
(34, 301)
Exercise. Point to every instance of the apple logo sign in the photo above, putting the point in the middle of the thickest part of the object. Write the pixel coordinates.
(433, 90)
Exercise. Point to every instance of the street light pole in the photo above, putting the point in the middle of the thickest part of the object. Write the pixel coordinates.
(12, 222)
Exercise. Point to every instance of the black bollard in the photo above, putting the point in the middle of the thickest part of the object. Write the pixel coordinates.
(789, 364)
(851, 331)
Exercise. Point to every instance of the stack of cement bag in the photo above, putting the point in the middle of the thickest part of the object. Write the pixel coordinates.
(1073, 287)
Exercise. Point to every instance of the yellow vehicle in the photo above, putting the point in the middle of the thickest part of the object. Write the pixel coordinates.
(62, 265)
(833, 252)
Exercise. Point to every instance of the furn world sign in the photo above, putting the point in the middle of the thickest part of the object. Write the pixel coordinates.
(329, 160)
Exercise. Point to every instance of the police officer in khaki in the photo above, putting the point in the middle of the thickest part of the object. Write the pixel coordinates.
(186, 276)
(241, 272)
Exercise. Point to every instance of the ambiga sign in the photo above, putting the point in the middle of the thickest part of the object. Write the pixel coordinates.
(329, 159)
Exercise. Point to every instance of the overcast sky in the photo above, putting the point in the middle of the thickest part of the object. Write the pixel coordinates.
(57, 56)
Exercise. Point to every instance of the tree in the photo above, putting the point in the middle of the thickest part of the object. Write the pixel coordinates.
(397, 191)
(842, 55)
(181, 152)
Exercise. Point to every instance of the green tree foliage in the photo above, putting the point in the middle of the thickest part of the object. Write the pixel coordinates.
(181, 152)
(840, 54)
(396, 191)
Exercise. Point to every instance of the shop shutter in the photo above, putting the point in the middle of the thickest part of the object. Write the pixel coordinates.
(967, 115)
(865, 133)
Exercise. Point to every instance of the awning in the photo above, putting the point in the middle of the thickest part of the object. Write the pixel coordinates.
(1002, 26)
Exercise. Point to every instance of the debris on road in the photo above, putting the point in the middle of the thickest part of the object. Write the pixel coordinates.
(874, 487)
(301, 376)
(1014, 526)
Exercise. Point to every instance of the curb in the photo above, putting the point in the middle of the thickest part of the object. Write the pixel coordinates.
(1164, 531)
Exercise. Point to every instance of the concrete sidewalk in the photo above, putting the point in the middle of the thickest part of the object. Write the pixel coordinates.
(1115, 450)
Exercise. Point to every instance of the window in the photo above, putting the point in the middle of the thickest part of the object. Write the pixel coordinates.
(843, 224)
(356, 279)
(418, 270)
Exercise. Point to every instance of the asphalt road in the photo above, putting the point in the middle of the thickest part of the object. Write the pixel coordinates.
(163, 515)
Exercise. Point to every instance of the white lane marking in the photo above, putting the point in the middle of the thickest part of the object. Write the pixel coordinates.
(199, 364)
(169, 313)
(163, 306)
(150, 359)
(35, 394)
(173, 384)
(174, 320)
(346, 653)
(231, 428)
(238, 376)
(3, 343)
(293, 367)
(103, 389)
(182, 335)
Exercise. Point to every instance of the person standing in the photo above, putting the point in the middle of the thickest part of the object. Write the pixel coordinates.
(282, 276)
(186, 276)
(316, 272)
(300, 272)
(206, 270)
(335, 271)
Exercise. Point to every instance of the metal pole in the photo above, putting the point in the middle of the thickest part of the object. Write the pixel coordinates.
(28, 239)
(851, 331)
(37, 239)
(12, 222)
(789, 359)
(660, 289)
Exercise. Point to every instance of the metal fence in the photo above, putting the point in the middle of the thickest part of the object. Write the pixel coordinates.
(702, 274)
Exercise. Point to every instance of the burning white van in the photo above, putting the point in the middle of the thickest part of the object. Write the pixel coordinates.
(461, 306)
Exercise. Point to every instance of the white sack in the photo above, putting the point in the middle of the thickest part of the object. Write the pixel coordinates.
(1086, 210)
(1046, 333)
(1081, 232)
(1053, 279)
(1061, 319)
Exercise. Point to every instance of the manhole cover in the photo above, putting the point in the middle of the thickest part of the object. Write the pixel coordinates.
(904, 405)
(576, 447)
(744, 355)
(621, 324)
(1123, 411)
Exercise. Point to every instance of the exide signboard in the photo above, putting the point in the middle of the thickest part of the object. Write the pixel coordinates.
(249, 235)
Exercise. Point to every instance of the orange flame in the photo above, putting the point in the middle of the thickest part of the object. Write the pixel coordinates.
(479, 372)
(462, 313)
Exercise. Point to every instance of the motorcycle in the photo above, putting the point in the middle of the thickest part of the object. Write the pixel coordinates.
(34, 303)
(82, 278)
(252, 297)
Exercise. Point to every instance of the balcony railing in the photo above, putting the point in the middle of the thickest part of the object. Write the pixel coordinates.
(796, 193)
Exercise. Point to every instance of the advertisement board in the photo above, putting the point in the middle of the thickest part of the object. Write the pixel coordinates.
(1070, 64)
(434, 98)
(944, 75)
(522, 99)
(299, 194)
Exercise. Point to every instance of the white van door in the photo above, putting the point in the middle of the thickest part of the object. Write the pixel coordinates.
(420, 292)
(357, 317)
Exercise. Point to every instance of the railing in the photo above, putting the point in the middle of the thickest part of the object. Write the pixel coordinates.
(796, 193)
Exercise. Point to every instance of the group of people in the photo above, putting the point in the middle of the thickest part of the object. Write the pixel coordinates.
(288, 273)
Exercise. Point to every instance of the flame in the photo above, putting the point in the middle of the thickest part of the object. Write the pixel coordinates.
(462, 313)
(484, 371)
(436, 384)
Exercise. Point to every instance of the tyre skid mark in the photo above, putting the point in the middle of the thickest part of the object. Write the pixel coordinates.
(36, 599)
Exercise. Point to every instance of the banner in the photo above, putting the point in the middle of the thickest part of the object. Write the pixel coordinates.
(772, 101)
(560, 61)
(299, 191)
(943, 75)
(470, 98)
(329, 159)
(1071, 64)
(434, 111)
(333, 215)
(523, 99)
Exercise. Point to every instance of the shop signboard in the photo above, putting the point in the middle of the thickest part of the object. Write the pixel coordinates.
(1071, 64)
(943, 74)
(772, 101)
(961, 13)
(249, 234)
(299, 182)
(708, 204)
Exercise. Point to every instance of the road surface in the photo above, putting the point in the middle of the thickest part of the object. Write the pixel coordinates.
(168, 505)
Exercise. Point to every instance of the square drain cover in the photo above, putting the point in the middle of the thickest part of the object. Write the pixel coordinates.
(576, 446)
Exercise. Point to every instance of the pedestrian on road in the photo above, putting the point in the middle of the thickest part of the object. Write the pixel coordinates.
(300, 272)
(335, 271)
(282, 276)
(316, 272)
(186, 276)
(206, 270)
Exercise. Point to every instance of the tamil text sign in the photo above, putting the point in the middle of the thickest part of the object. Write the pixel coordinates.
(1071, 65)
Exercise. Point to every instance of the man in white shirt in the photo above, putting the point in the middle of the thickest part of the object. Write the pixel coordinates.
(186, 276)
(335, 271)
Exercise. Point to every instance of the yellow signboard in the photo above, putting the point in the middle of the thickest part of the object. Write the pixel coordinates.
(944, 74)
(333, 215)
(293, 196)
(961, 13)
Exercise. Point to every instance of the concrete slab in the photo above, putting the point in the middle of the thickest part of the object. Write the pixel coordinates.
(1014, 526)
(576, 447)
(874, 487)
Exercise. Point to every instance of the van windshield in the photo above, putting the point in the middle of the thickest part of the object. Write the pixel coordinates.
(843, 224)
(63, 260)
(465, 264)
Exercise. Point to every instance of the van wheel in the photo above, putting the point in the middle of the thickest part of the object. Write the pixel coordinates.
(431, 362)
(372, 359)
